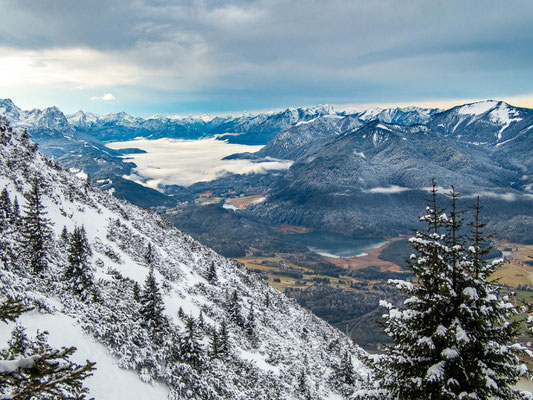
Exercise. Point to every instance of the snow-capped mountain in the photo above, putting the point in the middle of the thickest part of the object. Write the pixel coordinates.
(277, 350)
(357, 180)
(399, 115)
(47, 123)
(484, 123)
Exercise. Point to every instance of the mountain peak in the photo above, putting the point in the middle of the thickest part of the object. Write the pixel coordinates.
(478, 108)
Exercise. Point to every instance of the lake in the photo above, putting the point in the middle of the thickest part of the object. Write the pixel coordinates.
(331, 244)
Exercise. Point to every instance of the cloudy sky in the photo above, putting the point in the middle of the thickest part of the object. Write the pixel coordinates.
(181, 57)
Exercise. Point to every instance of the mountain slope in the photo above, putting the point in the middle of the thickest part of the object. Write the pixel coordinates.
(366, 181)
(288, 346)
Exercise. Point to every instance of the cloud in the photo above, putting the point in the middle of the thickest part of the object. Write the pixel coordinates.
(249, 54)
(105, 97)
(184, 162)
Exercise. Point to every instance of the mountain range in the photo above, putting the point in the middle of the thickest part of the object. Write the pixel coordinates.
(350, 170)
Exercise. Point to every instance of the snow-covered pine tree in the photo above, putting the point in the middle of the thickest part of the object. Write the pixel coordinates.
(190, 348)
(36, 234)
(78, 272)
(211, 275)
(31, 369)
(16, 220)
(5, 206)
(152, 306)
(249, 327)
(223, 340)
(234, 309)
(454, 337)
(149, 255)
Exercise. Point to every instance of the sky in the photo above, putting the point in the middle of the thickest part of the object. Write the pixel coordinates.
(185, 57)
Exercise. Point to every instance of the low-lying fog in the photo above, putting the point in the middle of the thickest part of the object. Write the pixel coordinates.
(184, 162)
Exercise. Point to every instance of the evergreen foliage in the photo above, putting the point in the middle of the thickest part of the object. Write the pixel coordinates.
(149, 255)
(78, 272)
(31, 369)
(211, 273)
(37, 233)
(190, 348)
(152, 306)
(234, 309)
(454, 337)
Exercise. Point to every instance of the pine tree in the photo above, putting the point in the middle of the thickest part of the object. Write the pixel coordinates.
(249, 327)
(149, 255)
(16, 220)
(190, 347)
(5, 207)
(31, 369)
(5, 225)
(78, 272)
(234, 309)
(152, 306)
(37, 234)
(223, 340)
(64, 234)
(211, 275)
(214, 349)
(136, 292)
(454, 338)
(344, 372)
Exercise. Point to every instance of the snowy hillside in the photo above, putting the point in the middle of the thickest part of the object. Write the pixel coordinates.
(275, 349)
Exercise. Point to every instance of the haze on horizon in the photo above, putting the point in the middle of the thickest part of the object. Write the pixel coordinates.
(150, 57)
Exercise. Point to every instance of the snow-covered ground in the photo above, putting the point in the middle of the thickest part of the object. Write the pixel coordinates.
(109, 381)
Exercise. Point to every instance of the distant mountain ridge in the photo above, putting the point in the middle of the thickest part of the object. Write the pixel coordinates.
(342, 159)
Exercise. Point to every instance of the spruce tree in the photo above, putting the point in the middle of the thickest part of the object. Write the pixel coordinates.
(234, 309)
(152, 306)
(31, 369)
(16, 219)
(5, 225)
(211, 275)
(190, 347)
(344, 372)
(78, 272)
(5, 206)
(223, 340)
(214, 349)
(37, 233)
(149, 255)
(453, 338)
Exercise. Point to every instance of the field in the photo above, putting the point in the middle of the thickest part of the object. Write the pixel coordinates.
(244, 201)
(283, 275)
(515, 271)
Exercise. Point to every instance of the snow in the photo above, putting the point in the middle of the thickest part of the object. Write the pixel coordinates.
(478, 108)
(12, 365)
(259, 361)
(435, 372)
(259, 200)
(381, 126)
(450, 353)
(471, 293)
(109, 382)
(504, 116)
(228, 206)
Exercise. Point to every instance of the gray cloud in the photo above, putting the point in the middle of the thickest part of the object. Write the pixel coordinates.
(247, 54)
